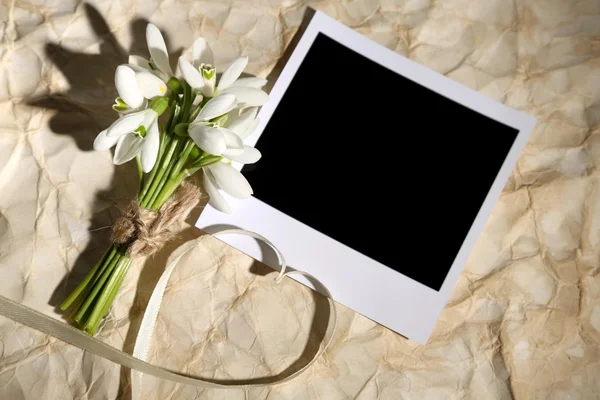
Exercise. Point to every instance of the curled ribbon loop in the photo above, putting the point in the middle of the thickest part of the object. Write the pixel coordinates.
(144, 338)
(58, 329)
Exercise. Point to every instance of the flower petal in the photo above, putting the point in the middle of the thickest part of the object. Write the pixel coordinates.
(217, 106)
(128, 147)
(150, 117)
(103, 142)
(125, 124)
(127, 86)
(208, 139)
(197, 100)
(150, 149)
(249, 156)
(140, 62)
(216, 199)
(232, 141)
(232, 73)
(240, 123)
(253, 82)
(209, 86)
(202, 53)
(250, 128)
(247, 96)
(150, 85)
(191, 74)
(158, 49)
(156, 72)
(231, 180)
(123, 108)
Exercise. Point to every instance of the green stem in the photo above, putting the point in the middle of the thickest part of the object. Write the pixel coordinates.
(78, 303)
(169, 188)
(175, 177)
(114, 291)
(150, 179)
(138, 162)
(84, 284)
(166, 164)
(187, 149)
(145, 202)
(187, 102)
(187, 172)
(94, 320)
(162, 183)
(97, 286)
(168, 125)
(113, 253)
(164, 142)
(203, 161)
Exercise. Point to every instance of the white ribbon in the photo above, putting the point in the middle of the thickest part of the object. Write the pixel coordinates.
(138, 365)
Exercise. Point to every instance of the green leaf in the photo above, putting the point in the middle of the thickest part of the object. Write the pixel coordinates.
(182, 129)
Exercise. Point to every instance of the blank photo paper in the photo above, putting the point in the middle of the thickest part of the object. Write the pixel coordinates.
(377, 175)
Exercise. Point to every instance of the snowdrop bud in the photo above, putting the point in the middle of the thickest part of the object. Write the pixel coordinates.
(182, 129)
(175, 85)
(159, 105)
(195, 153)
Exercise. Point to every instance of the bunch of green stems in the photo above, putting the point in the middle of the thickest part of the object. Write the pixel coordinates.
(178, 158)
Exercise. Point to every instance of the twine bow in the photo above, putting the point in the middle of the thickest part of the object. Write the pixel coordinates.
(145, 231)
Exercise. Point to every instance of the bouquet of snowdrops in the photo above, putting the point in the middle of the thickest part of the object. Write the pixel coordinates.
(205, 121)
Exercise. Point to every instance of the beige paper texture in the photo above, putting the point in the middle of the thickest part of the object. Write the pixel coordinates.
(524, 319)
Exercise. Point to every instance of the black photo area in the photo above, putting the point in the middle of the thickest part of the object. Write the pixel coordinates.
(378, 162)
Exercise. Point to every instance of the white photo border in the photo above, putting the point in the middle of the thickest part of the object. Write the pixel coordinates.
(355, 280)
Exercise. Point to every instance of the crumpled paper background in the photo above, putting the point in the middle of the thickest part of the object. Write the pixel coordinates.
(524, 319)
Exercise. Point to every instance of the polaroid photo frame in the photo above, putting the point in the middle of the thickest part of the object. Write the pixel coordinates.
(377, 177)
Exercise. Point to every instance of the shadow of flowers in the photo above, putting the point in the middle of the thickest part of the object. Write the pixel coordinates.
(82, 112)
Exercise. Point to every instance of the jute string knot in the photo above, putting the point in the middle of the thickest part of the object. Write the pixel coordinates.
(145, 231)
